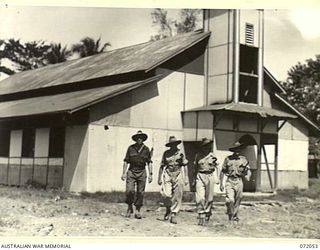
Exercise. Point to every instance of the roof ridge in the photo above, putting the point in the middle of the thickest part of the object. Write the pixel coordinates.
(104, 53)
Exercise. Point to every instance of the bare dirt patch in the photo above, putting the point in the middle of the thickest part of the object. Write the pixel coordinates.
(34, 212)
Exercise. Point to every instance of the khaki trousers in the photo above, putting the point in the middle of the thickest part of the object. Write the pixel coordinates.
(172, 190)
(234, 189)
(204, 192)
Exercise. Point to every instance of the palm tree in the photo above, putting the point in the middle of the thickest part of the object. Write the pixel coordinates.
(57, 54)
(88, 47)
(29, 55)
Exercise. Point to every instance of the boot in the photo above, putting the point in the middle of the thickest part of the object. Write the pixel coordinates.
(173, 219)
(129, 211)
(137, 214)
(201, 219)
(207, 219)
(167, 214)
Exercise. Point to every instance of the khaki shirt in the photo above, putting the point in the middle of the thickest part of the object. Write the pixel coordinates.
(235, 166)
(206, 162)
(173, 161)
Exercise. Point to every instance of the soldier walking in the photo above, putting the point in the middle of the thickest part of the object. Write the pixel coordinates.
(206, 174)
(234, 167)
(137, 157)
(173, 174)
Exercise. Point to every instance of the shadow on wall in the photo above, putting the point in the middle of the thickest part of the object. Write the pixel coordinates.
(191, 148)
(76, 158)
(120, 105)
(223, 142)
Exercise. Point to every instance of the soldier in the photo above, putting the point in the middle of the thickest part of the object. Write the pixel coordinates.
(138, 157)
(235, 167)
(173, 174)
(207, 176)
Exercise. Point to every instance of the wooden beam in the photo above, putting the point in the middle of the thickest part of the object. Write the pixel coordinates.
(216, 119)
(258, 182)
(281, 125)
(19, 178)
(7, 179)
(47, 173)
(276, 166)
(197, 125)
(267, 164)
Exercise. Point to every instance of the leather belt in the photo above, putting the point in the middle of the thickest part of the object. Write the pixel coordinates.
(206, 172)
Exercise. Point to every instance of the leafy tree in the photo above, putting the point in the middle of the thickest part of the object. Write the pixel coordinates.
(189, 21)
(88, 47)
(57, 53)
(303, 86)
(30, 55)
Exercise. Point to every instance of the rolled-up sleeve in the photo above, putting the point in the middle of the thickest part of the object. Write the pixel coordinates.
(224, 166)
(127, 157)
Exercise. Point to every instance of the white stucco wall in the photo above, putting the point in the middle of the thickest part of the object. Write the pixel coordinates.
(293, 147)
(42, 142)
(107, 149)
(15, 143)
(293, 155)
(76, 158)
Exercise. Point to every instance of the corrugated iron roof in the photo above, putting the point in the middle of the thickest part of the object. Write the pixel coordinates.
(140, 57)
(246, 108)
(67, 102)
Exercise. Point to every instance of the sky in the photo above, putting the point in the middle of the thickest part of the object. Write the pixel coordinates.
(291, 35)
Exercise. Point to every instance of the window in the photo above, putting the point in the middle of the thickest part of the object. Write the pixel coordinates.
(4, 142)
(248, 89)
(248, 59)
(28, 143)
(249, 34)
(56, 142)
(248, 81)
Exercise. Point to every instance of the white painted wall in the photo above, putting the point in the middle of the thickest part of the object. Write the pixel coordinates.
(76, 158)
(42, 142)
(16, 143)
(194, 97)
(293, 155)
(252, 17)
(293, 147)
(107, 149)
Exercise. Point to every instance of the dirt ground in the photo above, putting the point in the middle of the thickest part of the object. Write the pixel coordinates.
(34, 212)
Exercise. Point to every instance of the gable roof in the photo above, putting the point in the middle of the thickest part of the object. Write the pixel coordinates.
(141, 57)
(314, 127)
(273, 81)
(69, 102)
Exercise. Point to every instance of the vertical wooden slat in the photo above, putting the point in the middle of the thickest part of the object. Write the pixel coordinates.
(276, 166)
(197, 125)
(184, 90)
(8, 166)
(236, 56)
(258, 185)
(267, 164)
(47, 173)
(32, 169)
(19, 176)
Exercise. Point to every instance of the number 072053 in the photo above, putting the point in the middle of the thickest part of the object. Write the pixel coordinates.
(309, 246)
